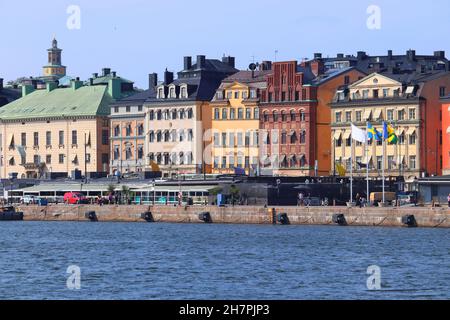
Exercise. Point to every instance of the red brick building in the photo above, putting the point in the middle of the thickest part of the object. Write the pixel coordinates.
(295, 117)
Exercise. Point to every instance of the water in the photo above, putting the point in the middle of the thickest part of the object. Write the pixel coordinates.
(198, 261)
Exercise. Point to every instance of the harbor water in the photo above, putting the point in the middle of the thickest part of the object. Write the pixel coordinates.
(211, 261)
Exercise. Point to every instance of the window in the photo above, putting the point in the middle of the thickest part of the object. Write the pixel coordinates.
(181, 114)
(348, 116)
(346, 80)
(216, 113)
(151, 136)
(172, 92)
(229, 95)
(36, 139)
(61, 138)
(159, 115)
(190, 135)
(216, 162)
(224, 114)
(166, 114)
(161, 93)
(236, 94)
(224, 162)
(224, 139)
(183, 93)
(116, 109)
(231, 162)
(88, 158)
(140, 129)
(36, 159)
(248, 113)
(412, 162)
(348, 142)
(442, 92)
(412, 139)
(239, 162)
(181, 136)
(275, 116)
(303, 137)
(239, 139)
(24, 139)
(247, 138)
(401, 139)
(231, 140)
(274, 136)
(266, 117)
(140, 151)
(390, 115)
(48, 159)
(390, 162)
(166, 136)
(158, 136)
(216, 139)
(240, 113)
(376, 94)
(139, 108)
(283, 137)
(302, 115)
(151, 115)
(48, 138)
(253, 94)
(105, 158)
(219, 95)
(12, 162)
(116, 152)
(358, 116)
(255, 138)
(283, 116)
(244, 94)
(283, 96)
(292, 114)
(128, 109)
(232, 114)
(401, 115)
(256, 113)
(412, 114)
(379, 162)
(339, 142)
(338, 117)
(128, 130)
(365, 94)
(385, 93)
(293, 138)
(190, 114)
(174, 114)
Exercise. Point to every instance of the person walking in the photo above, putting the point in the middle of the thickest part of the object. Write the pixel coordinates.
(300, 199)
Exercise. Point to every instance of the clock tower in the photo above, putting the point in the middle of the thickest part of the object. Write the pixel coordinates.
(54, 70)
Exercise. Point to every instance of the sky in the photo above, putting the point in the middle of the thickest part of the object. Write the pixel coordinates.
(138, 37)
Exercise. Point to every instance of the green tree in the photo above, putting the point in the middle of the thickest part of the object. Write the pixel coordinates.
(234, 194)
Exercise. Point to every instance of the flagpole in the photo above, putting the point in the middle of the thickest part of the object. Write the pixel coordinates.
(383, 165)
(367, 162)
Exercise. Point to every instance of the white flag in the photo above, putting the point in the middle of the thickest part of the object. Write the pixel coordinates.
(359, 134)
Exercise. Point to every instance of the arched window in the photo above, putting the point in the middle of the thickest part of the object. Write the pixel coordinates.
(140, 129)
(166, 114)
(181, 114)
(275, 116)
(303, 137)
(158, 136)
(181, 157)
(151, 115)
(293, 117)
(266, 116)
(293, 137)
(159, 115)
(302, 161)
(151, 136)
(302, 115)
(190, 114)
(174, 114)
(158, 158)
(283, 116)
(166, 136)
(116, 131)
(292, 161)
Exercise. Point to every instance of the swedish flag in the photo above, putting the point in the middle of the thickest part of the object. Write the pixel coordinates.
(389, 133)
(373, 133)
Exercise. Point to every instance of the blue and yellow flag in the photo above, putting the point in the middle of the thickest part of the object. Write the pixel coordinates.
(389, 133)
(373, 133)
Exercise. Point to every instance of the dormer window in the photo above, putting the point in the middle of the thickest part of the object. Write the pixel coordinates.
(219, 95)
(252, 94)
(172, 93)
(183, 94)
(161, 93)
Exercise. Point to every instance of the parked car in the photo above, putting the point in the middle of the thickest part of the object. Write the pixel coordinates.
(29, 200)
(75, 198)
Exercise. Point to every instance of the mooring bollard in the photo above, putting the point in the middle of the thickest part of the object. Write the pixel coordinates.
(147, 216)
(205, 217)
(339, 218)
(91, 215)
(409, 221)
(283, 219)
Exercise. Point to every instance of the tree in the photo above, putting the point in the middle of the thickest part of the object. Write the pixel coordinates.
(126, 193)
(234, 194)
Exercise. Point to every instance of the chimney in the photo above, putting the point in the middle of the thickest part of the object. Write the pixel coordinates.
(51, 86)
(361, 55)
(265, 66)
(201, 62)
(152, 80)
(114, 88)
(229, 61)
(1, 84)
(317, 56)
(411, 54)
(91, 81)
(168, 77)
(114, 74)
(27, 89)
(187, 63)
(95, 75)
(317, 67)
(340, 56)
(439, 54)
(106, 71)
(390, 54)
(76, 84)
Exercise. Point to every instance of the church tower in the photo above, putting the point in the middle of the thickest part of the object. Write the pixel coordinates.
(54, 70)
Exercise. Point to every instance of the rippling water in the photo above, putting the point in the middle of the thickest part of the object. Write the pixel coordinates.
(197, 261)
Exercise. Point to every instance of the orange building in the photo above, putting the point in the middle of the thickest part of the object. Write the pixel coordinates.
(446, 135)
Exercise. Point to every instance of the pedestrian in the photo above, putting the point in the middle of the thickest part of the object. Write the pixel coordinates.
(300, 199)
(358, 200)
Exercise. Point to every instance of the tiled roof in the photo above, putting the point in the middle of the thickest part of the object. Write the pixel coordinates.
(248, 76)
(60, 102)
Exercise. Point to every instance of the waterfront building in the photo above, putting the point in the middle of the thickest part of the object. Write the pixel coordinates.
(409, 102)
(235, 122)
(56, 132)
(294, 117)
(446, 133)
(128, 131)
(180, 115)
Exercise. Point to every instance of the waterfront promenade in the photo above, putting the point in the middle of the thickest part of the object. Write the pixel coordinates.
(386, 217)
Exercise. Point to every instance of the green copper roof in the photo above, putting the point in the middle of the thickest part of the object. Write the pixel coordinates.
(85, 101)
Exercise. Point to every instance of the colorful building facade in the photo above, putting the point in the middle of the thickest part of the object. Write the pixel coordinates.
(446, 135)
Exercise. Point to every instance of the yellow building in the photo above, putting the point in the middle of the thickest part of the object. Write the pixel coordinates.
(235, 123)
(55, 131)
(404, 102)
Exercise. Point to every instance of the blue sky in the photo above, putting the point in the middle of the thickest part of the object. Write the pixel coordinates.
(137, 37)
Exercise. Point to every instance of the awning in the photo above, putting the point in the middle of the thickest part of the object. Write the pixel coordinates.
(302, 156)
(283, 158)
(367, 160)
(367, 114)
(75, 159)
(274, 158)
(337, 135)
(411, 131)
(88, 142)
(291, 133)
(347, 134)
(265, 136)
(400, 159)
(377, 114)
(292, 157)
(448, 130)
(11, 140)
